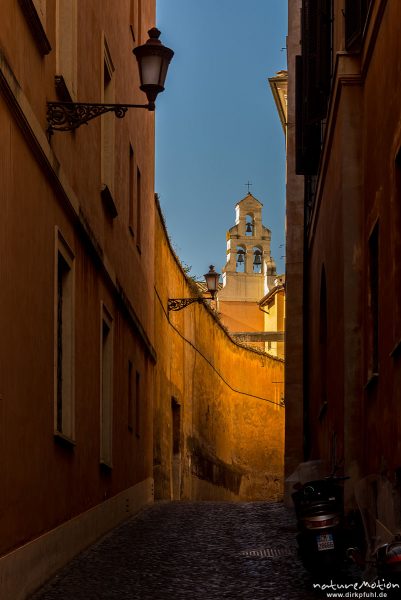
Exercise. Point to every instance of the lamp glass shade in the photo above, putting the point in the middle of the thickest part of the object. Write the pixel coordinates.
(153, 61)
(151, 67)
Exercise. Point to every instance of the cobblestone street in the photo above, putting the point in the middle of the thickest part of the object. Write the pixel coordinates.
(188, 550)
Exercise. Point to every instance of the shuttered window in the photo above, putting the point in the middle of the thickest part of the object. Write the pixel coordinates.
(313, 82)
(324, 56)
(64, 327)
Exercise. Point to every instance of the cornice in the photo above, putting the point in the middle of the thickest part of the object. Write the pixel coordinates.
(279, 88)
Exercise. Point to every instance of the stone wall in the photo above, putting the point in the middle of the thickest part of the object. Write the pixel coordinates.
(218, 420)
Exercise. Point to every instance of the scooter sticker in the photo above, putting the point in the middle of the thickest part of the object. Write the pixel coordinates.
(325, 542)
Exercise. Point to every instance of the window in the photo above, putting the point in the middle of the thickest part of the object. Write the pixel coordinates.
(106, 387)
(134, 199)
(324, 55)
(131, 398)
(356, 12)
(64, 340)
(396, 251)
(137, 404)
(66, 49)
(131, 191)
(176, 449)
(138, 208)
(176, 428)
(373, 301)
(323, 341)
(134, 400)
(313, 83)
(108, 125)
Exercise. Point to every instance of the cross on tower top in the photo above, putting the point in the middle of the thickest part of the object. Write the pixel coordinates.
(248, 184)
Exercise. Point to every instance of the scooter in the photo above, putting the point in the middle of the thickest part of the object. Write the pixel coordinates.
(388, 561)
(381, 560)
(383, 566)
(320, 519)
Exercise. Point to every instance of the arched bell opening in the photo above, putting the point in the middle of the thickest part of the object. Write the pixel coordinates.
(257, 259)
(249, 225)
(240, 259)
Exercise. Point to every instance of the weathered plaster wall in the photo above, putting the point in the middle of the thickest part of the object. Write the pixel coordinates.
(229, 442)
(241, 316)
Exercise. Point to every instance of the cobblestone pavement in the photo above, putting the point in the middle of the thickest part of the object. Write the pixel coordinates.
(190, 551)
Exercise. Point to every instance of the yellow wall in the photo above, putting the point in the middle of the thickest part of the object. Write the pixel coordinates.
(241, 316)
(232, 425)
(274, 315)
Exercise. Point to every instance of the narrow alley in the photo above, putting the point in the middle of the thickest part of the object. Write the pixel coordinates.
(183, 353)
(183, 550)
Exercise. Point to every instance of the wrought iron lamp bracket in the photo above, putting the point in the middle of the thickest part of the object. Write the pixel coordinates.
(180, 303)
(68, 116)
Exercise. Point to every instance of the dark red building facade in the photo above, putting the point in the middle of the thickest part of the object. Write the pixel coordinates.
(346, 80)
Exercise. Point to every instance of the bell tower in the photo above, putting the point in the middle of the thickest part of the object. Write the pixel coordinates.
(249, 272)
(250, 269)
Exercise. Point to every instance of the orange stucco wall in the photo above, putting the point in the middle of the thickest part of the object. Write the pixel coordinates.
(241, 316)
(232, 424)
(44, 186)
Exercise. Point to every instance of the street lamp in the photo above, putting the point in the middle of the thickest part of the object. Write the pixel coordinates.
(153, 61)
(212, 281)
(212, 284)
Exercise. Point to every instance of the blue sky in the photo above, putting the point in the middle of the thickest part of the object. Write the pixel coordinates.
(217, 125)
